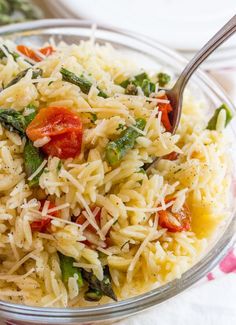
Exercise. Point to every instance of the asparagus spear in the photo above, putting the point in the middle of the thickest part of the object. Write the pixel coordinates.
(97, 287)
(36, 73)
(163, 79)
(81, 82)
(148, 87)
(3, 55)
(136, 80)
(213, 121)
(141, 80)
(68, 270)
(29, 118)
(33, 158)
(93, 295)
(13, 121)
(117, 149)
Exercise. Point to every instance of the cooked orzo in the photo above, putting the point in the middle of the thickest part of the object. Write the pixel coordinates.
(81, 221)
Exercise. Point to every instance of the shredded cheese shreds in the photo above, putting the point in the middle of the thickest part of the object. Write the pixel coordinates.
(85, 265)
(22, 261)
(140, 251)
(108, 225)
(57, 219)
(89, 215)
(45, 208)
(54, 301)
(59, 207)
(38, 170)
(69, 177)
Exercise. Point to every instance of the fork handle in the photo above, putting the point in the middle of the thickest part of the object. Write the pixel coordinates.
(220, 37)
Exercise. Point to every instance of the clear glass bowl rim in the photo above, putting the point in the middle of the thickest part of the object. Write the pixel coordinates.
(139, 303)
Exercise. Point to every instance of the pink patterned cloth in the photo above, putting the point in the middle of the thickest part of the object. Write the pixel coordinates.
(227, 265)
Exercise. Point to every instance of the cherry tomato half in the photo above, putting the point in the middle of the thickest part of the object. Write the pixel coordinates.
(31, 53)
(172, 156)
(182, 217)
(43, 225)
(81, 219)
(165, 109)
(62, 126)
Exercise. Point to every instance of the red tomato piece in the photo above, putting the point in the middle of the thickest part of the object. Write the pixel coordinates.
(43, 225)
(40, 225)
(172, 156)
(165, 109)
(62, 126)
(48, 50)
(81, 219)
(31, 53)
(182, 217)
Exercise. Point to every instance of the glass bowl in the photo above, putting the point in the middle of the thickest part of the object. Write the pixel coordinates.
(152, 54)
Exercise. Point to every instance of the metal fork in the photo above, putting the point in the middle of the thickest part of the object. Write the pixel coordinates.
(175, 94)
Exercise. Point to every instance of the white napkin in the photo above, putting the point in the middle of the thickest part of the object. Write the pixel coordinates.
(213, 303)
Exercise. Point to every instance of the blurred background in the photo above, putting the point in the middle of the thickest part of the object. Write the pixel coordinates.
(184, 25)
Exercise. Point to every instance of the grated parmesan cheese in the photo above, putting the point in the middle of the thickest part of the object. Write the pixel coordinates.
(38, 170)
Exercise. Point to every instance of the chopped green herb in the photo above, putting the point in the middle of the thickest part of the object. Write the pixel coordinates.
(35, 74)
(68, 270)
(148, 87)
(178, 170)
(59, 166)
(103, 286)
(213, 121)
(121, 127)
(81, 82)
(93, 117)
(163, 79)
(117, 149)
(50, 82)
(33, 158)
(102, 94)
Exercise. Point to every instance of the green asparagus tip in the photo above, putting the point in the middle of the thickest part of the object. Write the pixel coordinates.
(163, 79)
(93, 295)
(213, 121)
